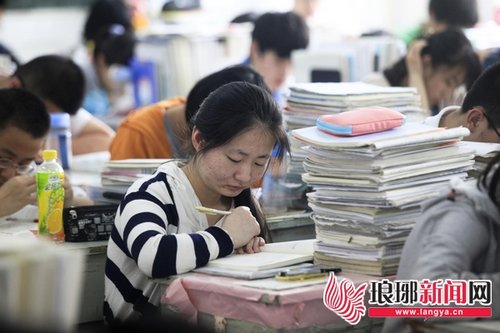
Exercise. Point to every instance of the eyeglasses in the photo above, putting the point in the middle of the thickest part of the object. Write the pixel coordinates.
(22, 169)
(491, 123)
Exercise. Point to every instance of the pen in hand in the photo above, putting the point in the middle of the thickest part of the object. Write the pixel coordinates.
(212, 211)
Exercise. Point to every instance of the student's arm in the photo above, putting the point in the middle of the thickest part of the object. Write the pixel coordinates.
(143, 222)
(458, 247)
(148, 213)
(95, 136)
(16, 193)
(416, 72)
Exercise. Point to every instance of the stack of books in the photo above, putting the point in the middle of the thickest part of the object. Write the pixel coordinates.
(483, 154)
(118, 175)
(368, 190)
(40, 284)
(307, 101)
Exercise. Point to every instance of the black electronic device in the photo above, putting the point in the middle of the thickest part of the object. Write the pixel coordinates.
(88, 223)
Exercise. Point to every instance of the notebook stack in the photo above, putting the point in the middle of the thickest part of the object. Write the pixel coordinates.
(307, 101)
(118, 175)
(483, 154)
(368, 190)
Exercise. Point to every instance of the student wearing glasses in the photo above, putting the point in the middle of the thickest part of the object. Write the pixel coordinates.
(480, 110)
(24, 124)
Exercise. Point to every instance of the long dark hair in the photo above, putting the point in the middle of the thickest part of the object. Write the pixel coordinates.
(231, 110)
(447, 48)
(491, 183)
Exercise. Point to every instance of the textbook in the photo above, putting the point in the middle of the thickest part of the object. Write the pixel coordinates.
(273, 255)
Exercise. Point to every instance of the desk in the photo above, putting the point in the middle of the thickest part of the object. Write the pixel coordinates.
(221, 303)
(92, 296)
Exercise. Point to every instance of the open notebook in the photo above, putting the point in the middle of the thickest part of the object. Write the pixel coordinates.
(274, 256)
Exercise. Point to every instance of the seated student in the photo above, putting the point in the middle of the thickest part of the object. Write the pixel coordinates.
(274, 37)
(436, 66)
(161, 130)
(59, 82)
(24, 124)
(457, 237)
(443, 14)
(480, 111)
(105, 56)
(159, 233)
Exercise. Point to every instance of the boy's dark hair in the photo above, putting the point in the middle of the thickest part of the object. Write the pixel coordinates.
(454, 13)
(104, 13)
(54, 78)
(231, 110)
(446, 48)
(116, 43)
(24, 110)
(485, 92)
(209, 83)
(281, 33)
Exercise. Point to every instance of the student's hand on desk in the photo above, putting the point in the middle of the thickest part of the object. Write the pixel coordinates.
(241, 225)
(253, 246)
(16, 193)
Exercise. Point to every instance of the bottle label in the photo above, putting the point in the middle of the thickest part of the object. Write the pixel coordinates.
(50, 193)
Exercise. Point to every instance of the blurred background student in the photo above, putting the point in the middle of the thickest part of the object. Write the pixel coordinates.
(106, 57)
(60, 84)
(444, 14)
(161, 130)
(436, 66)
(274, 37)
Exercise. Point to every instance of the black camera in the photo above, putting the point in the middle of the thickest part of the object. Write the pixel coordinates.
(88, 223)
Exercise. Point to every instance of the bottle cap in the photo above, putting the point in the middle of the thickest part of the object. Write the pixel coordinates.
(49, 154)
(59, 120)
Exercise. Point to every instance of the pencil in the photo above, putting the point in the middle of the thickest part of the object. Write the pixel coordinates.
(211, 211)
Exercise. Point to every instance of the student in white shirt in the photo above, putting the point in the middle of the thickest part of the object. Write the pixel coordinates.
(60, 84)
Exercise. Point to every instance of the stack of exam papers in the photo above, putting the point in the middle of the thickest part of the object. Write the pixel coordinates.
(368, 190)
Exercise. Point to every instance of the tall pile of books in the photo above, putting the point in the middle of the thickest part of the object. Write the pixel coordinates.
(307, 101)
(368, 190)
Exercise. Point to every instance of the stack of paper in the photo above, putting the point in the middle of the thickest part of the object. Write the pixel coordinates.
(40, 285)
(125, 172)
(367, 190)
(118, 175)
(307, 101)
(484, 153)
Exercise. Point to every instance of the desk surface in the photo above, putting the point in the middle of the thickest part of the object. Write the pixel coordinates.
(298, 308)
(26, 230)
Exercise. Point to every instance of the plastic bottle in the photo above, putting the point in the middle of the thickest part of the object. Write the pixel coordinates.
(50, 194)
(59, 138)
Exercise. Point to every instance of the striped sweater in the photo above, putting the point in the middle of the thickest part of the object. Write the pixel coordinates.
(157, 233)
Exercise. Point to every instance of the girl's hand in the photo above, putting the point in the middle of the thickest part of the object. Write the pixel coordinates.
(253, 246)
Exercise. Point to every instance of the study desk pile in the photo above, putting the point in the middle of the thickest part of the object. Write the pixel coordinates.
(308, 101)
(368, 190)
